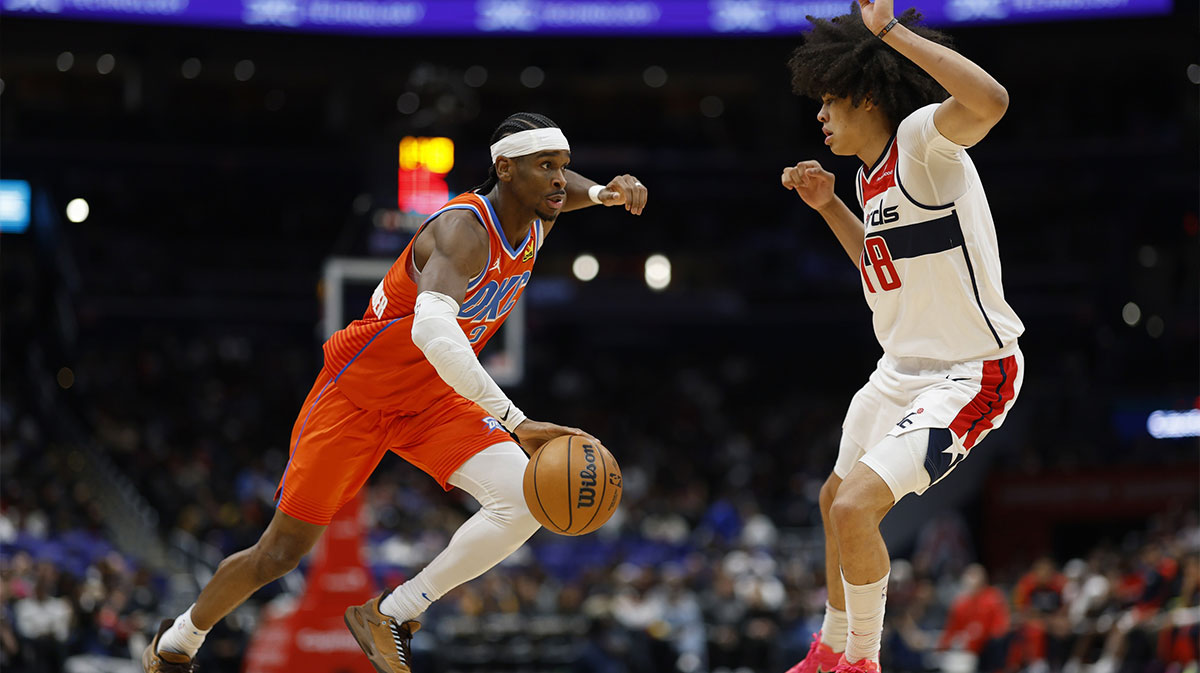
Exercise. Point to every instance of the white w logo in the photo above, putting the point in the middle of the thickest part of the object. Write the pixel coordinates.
(751, 15)
(274, 12)
(507, 15)
(48, 6)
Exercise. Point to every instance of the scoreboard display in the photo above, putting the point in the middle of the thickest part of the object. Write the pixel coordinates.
(421, 179)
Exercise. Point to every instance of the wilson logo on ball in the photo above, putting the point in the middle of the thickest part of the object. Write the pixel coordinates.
(572, 485)
(587, 478)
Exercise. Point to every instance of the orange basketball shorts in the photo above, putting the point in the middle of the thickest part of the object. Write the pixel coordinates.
(336, 445)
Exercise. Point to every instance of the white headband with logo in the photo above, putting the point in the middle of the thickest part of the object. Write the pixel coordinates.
(527, 142)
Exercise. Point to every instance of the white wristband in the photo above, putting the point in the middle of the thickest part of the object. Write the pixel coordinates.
(594, 193)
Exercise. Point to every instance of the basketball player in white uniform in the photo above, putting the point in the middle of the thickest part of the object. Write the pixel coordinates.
(925, 246)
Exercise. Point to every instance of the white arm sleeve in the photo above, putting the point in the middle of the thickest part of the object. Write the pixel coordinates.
(436, 332)
(930, 166)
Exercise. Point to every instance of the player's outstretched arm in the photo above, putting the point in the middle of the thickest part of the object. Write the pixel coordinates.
(815, 187)
(977, 101)
(623, 190)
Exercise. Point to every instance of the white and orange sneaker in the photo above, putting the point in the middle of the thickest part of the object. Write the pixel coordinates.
(820, 658)
(154, 661)
(385, 641)
(860, 666)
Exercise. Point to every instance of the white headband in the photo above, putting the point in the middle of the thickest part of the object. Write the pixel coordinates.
(527, 142)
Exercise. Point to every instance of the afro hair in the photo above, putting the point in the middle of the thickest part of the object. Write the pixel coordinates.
(840, 57)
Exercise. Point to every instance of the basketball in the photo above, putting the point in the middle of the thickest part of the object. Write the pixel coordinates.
(572, 485)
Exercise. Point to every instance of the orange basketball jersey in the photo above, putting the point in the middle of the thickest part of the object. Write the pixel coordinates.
(374, 361)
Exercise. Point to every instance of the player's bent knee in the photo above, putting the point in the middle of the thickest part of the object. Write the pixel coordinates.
(507, 509)
(857, 504)
(512, 511)
(499, 489)
(272, 560)
(846, 513)
(270, 566)
(523, 522)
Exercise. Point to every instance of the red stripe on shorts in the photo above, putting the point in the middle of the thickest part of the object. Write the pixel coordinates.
(995, 392)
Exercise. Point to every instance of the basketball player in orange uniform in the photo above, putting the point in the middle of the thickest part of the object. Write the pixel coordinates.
(406, 378)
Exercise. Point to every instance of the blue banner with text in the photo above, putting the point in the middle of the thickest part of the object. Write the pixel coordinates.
(552, 17)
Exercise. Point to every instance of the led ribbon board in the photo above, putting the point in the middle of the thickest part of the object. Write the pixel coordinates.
(551, 17)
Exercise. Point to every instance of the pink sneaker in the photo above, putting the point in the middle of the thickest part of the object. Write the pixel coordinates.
(860, 666)
(820, 658)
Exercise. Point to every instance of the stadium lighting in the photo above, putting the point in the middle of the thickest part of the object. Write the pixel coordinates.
(1131, 314)
(532, 77)
(244, 70)
(191, 68)
(78, 210)
(408, 103)
(1173, 424)
(1154, 326)
(654, 76)
(658, 272)
(475, 76)
(585, 267)
(712, 107)
(1148, 256)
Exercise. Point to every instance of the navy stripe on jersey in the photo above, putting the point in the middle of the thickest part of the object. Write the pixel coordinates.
(887, 149)
(998, 397)
(927, 238)
(923, 238)
(975, 287)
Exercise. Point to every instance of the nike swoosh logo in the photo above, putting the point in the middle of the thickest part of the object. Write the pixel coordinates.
(504, 417)
(426, 596)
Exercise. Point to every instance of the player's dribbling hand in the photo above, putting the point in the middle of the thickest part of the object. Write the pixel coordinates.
(532, 434)
(625, 190)
(813, 183)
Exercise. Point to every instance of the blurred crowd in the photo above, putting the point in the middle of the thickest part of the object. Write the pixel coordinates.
(709, 565)
(52, 611)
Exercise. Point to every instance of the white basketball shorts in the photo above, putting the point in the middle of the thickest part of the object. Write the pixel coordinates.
(915, 420)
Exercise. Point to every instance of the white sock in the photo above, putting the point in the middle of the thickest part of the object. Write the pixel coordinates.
(502, 524)
(183, 637)
(833, 629)
(410, 599)
(864, 608)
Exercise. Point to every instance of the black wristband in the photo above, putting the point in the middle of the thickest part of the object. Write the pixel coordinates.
(891, 25)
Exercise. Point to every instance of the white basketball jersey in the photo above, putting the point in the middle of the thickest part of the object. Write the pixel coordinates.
(931, 273)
